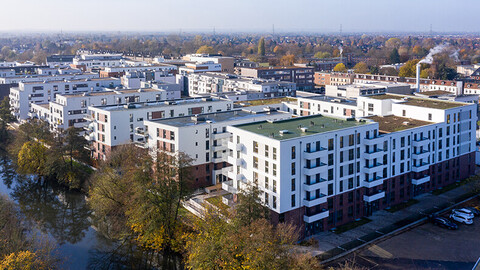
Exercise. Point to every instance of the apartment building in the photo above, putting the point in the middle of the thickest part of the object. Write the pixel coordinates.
(88, 61)
(226, 62)
(114, 125)
(27, 93)
(362, 89)
(70, 109)
(325, 105)
(209, 83)
(204, 138)
(158, 70)
(301, 76)
(320, 172)
(199, 68)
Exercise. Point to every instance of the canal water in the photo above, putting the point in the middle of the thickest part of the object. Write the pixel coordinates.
(64, 217)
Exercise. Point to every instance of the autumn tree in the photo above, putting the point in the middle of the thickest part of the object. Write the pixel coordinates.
(287, 60)
(340, 67)
(250, 207)
(360, 67)
(32, 158)
(261, 47)
(205, 49)
(409, 69)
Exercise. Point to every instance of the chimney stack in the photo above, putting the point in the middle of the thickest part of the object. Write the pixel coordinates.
(418, 78)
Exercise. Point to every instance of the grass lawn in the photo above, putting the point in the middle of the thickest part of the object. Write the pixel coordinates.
(401, 206)
(217, 201)
(267, 101)
(351, 225)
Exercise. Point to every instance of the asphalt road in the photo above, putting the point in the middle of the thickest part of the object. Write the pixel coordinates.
(423, 247)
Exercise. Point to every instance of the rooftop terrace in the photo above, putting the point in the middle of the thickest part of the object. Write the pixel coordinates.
(292, 128)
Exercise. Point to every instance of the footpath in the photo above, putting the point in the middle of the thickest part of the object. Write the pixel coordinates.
(331, 246)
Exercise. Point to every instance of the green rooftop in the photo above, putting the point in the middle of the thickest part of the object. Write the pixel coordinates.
(292, 128)
(421, 102)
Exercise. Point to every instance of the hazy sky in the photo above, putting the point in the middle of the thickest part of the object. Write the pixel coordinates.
(241, 15)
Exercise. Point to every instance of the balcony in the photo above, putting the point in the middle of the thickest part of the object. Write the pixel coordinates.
(228, 186)
(235, 146)
(420, 142)
(140, 132)
(313, 154)
(235, 176)
(322, 168)
(314, 185)
(235, 161)
(374, 197)
(374, 140)
(218, 159)
(374, 168)
(422, 180)
(377, 153)
(315, 217)
(220, 147)
(421, 167)
(223, 135)
(316, 201)
(421, 154)
(373, 182)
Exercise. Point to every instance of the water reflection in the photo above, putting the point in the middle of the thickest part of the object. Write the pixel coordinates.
(62, 214)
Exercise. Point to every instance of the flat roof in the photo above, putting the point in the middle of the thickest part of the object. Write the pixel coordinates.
(258, 102)
(274, 68)
(421, 102)
(163, 103)
(334, 100)
(434, 93)
(392, 123)
(212, 118)
(115, 92)
(320, 123)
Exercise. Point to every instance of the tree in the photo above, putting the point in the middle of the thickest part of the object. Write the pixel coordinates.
(25, 260)
(340, 67)
(287, 60)
(250, 207)
(322, 55)
(393, 43)
(390, 71)
(409, 69)
(261, 47)
(5, 113)
(206, 49)
(361, 67)
(394, 56)
(444, 72)
(236, 242)
(32, 158)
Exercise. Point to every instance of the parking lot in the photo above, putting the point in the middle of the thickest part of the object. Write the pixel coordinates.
(424, 247)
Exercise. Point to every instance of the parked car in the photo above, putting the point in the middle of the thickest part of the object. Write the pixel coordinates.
(464, 212)
(462, 218)
(445, 223)
(474, 210)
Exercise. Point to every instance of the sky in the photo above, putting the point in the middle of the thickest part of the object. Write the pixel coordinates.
(241, 15)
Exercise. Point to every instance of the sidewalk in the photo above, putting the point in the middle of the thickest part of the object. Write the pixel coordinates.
(331, 244)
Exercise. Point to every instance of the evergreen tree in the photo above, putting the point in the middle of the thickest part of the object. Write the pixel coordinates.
(261, 47)
(394, 56)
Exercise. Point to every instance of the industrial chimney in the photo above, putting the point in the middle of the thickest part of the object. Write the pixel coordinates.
(418, 78)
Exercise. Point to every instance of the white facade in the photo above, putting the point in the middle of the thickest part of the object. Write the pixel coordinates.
(27, 93)
(116, 125)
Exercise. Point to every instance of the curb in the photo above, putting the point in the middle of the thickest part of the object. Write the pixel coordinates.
(395, 232)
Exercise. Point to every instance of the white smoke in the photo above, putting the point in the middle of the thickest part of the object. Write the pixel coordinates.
(340, 48)
(455, 54)
(435, 50)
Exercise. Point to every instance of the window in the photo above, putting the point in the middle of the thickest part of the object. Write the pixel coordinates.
(430, 117)
(274, 169)
(266, 166)
(255, 147)
(293, 184)
(341, 142)
(293, 168)
(266, 151)
(293, 200)
(404, 113)
(330, 144)
(274, 153)
(370, 107)
(330, 189)
(293, 152)
(266, 182)
(255, 162)
(351, 140)
(330, 159)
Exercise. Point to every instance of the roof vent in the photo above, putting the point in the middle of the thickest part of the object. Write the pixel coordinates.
(260, 127)
(406, 123)
(312, 123)
(284, 131)
(304, 129)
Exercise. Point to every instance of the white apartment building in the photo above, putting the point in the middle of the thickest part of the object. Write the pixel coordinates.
(227, 63)
(27, 93)
(42, 78)
(92, 60)
(119, 124)
(209, 83)
(321, 172)
(362, 89)
(136, 78)
(204, 138)
(199, 68)
(71, 109)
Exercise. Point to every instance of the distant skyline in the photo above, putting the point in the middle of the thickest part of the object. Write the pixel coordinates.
(241, 15)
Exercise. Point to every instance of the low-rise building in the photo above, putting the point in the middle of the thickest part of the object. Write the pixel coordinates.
(226, 62)
(363, 89)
